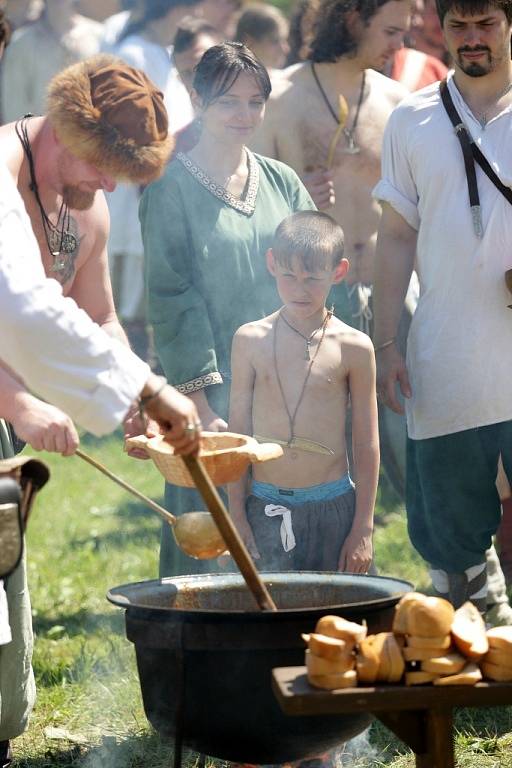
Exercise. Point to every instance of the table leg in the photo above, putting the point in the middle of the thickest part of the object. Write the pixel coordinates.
(439, 740)
(428, 732)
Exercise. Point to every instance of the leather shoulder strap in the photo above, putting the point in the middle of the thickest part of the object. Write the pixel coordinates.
(477, 153)
(469, 161)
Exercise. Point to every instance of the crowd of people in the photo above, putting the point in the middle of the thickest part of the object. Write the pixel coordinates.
(250, 200)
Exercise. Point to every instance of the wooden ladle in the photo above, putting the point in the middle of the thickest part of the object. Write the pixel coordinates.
(236, 546)
(195, 533)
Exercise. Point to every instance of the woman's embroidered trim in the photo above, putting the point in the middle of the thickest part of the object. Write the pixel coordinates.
(247, 205)
(199, 383)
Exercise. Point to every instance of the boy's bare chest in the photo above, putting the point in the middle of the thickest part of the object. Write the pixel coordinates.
(290, 370)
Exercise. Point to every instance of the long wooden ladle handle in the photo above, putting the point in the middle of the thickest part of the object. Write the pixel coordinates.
(171, 519)
(229, 533)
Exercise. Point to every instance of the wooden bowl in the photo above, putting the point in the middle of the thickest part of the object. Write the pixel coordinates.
(225, 456)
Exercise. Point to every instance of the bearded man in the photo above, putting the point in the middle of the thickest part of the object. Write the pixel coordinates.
(439, 142)
(106, 121)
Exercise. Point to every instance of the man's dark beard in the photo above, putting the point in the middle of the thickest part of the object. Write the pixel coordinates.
(77, 199)
(473, 69)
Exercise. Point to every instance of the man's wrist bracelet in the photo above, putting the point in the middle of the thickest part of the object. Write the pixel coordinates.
(143, 401)
(385, 344)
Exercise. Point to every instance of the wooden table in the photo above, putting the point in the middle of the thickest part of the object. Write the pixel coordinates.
(421, 716)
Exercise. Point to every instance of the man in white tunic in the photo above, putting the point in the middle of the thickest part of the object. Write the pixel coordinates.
(63, 356)
(457, 223)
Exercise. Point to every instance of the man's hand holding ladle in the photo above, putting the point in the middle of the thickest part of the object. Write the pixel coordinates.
(175, 414)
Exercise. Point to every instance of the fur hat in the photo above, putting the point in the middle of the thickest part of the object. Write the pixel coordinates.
(112, 116)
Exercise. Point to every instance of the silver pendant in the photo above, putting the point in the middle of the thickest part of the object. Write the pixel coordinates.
(59, 262)
(351, 148)
(69, 242)
(307, 356)
(62, 242)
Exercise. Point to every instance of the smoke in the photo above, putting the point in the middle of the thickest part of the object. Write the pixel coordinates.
(357, 753)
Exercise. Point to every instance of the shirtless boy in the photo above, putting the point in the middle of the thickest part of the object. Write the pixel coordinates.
(294, 373)
(352, 40)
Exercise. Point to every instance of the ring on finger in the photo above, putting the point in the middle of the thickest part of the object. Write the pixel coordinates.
(191, 428)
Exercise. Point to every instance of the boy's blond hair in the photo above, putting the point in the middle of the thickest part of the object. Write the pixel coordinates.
(311, 237)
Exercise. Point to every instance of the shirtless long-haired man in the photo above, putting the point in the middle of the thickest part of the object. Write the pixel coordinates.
(340, 163)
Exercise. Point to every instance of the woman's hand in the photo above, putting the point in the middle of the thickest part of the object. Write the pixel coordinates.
(211, 421)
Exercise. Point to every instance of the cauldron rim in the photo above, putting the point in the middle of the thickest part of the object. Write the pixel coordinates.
(116, 597)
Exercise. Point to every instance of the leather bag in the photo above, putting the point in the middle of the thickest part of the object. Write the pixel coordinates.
(20, 479)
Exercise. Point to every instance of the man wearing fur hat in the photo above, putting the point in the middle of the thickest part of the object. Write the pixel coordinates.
(105, 122)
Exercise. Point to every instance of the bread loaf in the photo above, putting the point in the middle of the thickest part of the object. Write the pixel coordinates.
(450, 664)
(367, 661)
(500, 637)
(417, 614)
(499, 657)
(336, 626)
(439, 643)
(328, 647)
(422, 654)
(419, 677)
(332, 682)
(469, 676)
(495, 672)
(391, 661)
(316, 665)
(468, 632)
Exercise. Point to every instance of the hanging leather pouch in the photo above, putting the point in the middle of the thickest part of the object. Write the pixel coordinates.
(11, 526)
(20, 479)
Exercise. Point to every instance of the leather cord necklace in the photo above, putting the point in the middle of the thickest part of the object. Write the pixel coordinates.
(352, 147)
(59, 239)
(307, 339)
(293, 416)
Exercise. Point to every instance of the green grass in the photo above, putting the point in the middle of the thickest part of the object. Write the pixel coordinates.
(86, 535)
(285, 5)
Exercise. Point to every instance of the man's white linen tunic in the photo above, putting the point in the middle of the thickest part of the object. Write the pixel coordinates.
(52, 344)
(459, 351)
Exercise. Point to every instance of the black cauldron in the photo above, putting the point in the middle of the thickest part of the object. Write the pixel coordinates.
(205, 655)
